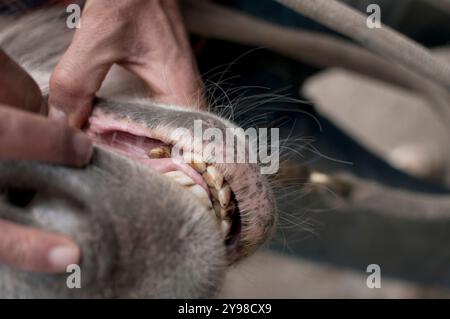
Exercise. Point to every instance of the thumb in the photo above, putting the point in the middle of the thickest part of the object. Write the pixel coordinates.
(73, 85)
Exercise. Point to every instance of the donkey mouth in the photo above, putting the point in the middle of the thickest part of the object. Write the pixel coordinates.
(204, 180)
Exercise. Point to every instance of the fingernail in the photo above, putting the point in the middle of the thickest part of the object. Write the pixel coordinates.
(57, 114)
(62, 256)
(83, 147)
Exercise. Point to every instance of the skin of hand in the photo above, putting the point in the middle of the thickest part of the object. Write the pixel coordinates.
(25, 135)
(146, 37)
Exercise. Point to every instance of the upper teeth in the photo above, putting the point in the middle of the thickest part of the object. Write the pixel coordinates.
(221, 202)
(199, 167)
(213, 177)
(224, 195)
(225, 226)
(159, 152)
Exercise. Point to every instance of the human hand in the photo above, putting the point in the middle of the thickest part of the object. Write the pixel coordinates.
(25, 135)
(146, 37)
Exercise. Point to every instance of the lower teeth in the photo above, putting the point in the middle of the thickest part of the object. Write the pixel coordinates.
(222, 203)
(225, 226)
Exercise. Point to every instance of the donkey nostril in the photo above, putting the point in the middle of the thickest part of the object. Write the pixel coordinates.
(19, 197)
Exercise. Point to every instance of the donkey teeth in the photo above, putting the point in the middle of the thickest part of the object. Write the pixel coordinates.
(184, 180)
(199, 167)
(221, 203)
(213, 177)
(225, 226)
(214, 193)
(227, 211)
(223, 212)
(195, 161)
(217, 209)
(224, 196)
(180, 178)
(159, 152)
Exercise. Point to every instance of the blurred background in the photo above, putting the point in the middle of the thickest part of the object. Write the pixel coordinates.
(365, 175)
